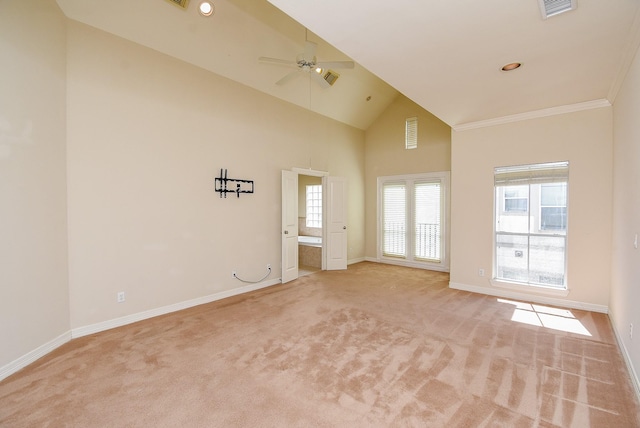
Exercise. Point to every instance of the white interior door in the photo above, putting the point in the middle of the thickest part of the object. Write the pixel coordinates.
(289, 226)
(335, 224)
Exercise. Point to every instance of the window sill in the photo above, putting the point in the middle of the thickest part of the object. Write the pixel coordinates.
(537, 289)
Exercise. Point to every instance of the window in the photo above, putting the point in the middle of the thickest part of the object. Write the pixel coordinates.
(411, 221)
(411, 133)
(531, 224)
(516, 199)
(314, 205)
(553, 206)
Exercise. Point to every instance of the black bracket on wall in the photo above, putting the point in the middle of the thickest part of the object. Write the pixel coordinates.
(226, 185)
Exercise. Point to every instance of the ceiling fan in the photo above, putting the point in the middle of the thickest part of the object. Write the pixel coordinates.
(306, 62)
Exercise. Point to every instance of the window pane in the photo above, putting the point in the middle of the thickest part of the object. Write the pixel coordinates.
(314, 206)
(553, 218)
(427, 220)
(394, 220)
(512, 257)
(553, 207)
(512, 208)
(547, 260)
(516, 205)
(554, 194)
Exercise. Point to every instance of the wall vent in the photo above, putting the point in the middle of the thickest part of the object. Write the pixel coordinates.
(180, 3)
(550, 8)
(331, 76)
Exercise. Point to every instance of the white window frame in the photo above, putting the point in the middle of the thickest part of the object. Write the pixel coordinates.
(534, 229)
(410, 259)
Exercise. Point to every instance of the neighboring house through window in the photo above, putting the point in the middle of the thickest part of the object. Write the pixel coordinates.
(531, 224)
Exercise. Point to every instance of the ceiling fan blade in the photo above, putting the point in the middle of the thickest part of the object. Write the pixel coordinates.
(335, 64)
(319, 79)
(277, 61)
(310, 50)
(288, 77)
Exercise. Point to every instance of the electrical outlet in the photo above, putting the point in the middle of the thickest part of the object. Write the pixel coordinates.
(631, 331)
(480, 272)
(120, 297)
(233, 274)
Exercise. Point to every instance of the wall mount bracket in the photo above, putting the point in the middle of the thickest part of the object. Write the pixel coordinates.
(226, 185)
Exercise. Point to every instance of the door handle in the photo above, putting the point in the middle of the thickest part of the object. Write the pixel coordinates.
(344, 227)
(286, 232)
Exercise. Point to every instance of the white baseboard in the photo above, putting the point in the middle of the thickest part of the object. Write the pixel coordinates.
(43, 350)
(129, 319)
(416, 265)
(358, 260)
(509, 294)
(627, 359)
(32, 356)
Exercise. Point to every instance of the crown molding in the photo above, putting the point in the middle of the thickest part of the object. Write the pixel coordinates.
(553, 111)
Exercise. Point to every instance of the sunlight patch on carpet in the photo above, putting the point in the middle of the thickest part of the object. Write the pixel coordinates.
(545, 316)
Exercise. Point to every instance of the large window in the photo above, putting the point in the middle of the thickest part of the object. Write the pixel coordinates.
(531, 224)
(411, 219)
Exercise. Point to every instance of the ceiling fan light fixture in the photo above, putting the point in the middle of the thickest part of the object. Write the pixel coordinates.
(511, 66)
(205, 8)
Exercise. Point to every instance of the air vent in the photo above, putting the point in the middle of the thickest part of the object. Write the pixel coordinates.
(180, 3)
(331, 76)
(550, 8)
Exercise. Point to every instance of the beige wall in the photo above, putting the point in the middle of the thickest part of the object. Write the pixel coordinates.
(625, 285)
(34, 300)
(386, 154)
(147, 135)
(582, 138)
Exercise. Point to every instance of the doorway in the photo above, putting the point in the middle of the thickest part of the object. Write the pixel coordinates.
(332, 244)
(310, 246)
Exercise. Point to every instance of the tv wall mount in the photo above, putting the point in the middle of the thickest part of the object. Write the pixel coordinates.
(226, 185)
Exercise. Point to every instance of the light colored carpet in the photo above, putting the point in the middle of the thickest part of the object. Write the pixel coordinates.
(373, 346)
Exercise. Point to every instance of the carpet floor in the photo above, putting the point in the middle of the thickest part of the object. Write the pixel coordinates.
(373, 346)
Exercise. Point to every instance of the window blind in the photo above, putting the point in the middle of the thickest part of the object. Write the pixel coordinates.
(427, 197)
(394, 220)
(553, 172)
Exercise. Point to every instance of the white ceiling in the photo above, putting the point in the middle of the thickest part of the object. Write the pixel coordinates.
(444, 55)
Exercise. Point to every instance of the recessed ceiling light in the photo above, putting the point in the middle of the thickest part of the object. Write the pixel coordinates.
(206, 8)
(511, 66)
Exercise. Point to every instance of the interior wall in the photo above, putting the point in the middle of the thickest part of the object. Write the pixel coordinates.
(34, 300)
(585, 140)
(147, 135)
(625, 290)
(386, 154)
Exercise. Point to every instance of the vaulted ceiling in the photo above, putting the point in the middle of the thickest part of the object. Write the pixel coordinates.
(444, 55)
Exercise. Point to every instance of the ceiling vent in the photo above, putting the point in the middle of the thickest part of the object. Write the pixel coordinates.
(180, 3)
(331, 76)
(551, 8)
